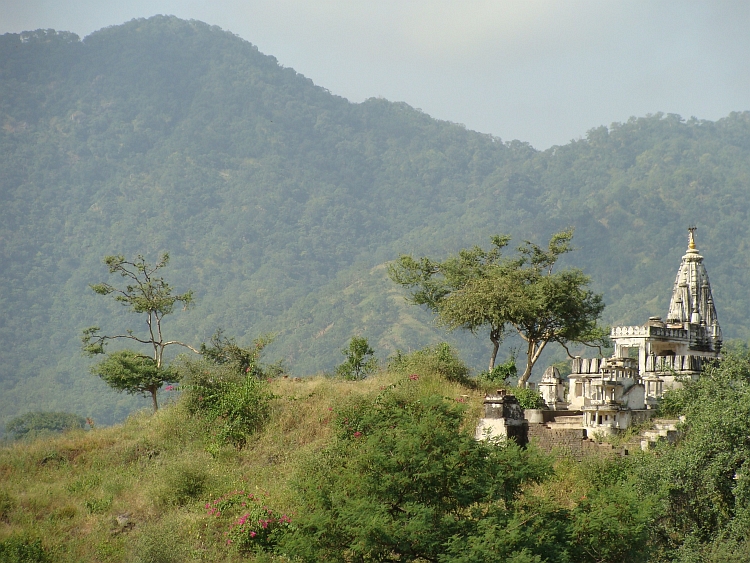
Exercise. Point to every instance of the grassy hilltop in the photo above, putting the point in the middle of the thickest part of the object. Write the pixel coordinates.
(382, 469)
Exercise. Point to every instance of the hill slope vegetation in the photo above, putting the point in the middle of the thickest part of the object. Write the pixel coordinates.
(280, 203)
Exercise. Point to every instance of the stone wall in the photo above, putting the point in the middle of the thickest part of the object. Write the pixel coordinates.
(569, 441)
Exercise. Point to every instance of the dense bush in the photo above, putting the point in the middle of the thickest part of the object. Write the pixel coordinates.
(239, 404)
(440, 359)
(34, 424)
(402, 480)
(528, 398)
(704, 482)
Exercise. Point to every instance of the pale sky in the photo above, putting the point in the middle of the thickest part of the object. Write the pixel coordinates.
(539, 71)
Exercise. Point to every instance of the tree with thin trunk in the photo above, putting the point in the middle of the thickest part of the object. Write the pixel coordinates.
(146, 293)
(523, 293)
(433, 283)
(540, 304)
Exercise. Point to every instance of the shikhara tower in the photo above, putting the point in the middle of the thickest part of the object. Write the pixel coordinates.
(615, 392)
(692, 305)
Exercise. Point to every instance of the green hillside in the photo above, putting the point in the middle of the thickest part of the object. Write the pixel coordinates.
(381, 469)
(280, 203)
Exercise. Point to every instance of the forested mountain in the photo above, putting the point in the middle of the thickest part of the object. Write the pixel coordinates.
(280, 204)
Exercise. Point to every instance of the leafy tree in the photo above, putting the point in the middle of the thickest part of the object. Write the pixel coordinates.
(434, 282)
(360, 361)
(145, 293)
(704, 481)
(33, 424)
(524, 293)
(134, 373)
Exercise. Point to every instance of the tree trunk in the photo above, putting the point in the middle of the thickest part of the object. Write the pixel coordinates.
(153, 399)
(495, 348)
(532, 355)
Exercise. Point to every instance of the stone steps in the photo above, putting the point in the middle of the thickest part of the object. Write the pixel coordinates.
(661, 430)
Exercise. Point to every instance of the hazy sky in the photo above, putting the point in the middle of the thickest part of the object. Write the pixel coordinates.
(540, 71)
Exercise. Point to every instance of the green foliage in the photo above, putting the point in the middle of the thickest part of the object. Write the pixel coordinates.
(404, 483)
(17, 549)
(255, 527)
(479, 289)
(435, 284)
(528, 398)
(524, 293)
(501, 373)
(238, 404)
(134, 373)
(34, 424)
(702, 482)
(441, 359)
(225, 350)
(360, 360)
(185, 482)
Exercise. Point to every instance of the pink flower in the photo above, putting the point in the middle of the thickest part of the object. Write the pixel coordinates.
(169, 388)
(357, 434)
(413, 377)
(253, 534)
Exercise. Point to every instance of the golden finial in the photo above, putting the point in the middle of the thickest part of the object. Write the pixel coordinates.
(691, 238)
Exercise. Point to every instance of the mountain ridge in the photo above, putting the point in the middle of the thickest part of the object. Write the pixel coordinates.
(278, 202)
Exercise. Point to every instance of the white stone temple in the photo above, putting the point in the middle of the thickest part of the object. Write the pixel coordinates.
(613, 393)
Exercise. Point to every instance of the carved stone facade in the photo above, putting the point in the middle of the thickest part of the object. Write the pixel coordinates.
(615, 392)
(606, 395)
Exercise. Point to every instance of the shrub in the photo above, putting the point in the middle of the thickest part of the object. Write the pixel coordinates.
(34, 424)
(359, 362)
(528, 398)
(18, 549)
(501, 372)
(440, 359)
(240, 404)
(255, 526)
(224, 350)
(183, 483)
(401, 480)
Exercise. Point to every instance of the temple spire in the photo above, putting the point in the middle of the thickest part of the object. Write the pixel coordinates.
(692, 302)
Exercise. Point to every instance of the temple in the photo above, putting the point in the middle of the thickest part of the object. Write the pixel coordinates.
(615, 392)
(607, 395)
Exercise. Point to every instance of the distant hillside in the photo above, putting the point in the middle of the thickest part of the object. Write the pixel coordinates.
(280, 203)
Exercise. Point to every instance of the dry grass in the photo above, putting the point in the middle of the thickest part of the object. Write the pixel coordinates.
(155, 473)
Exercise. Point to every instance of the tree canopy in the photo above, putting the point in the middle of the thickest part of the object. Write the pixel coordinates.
(477, 290)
